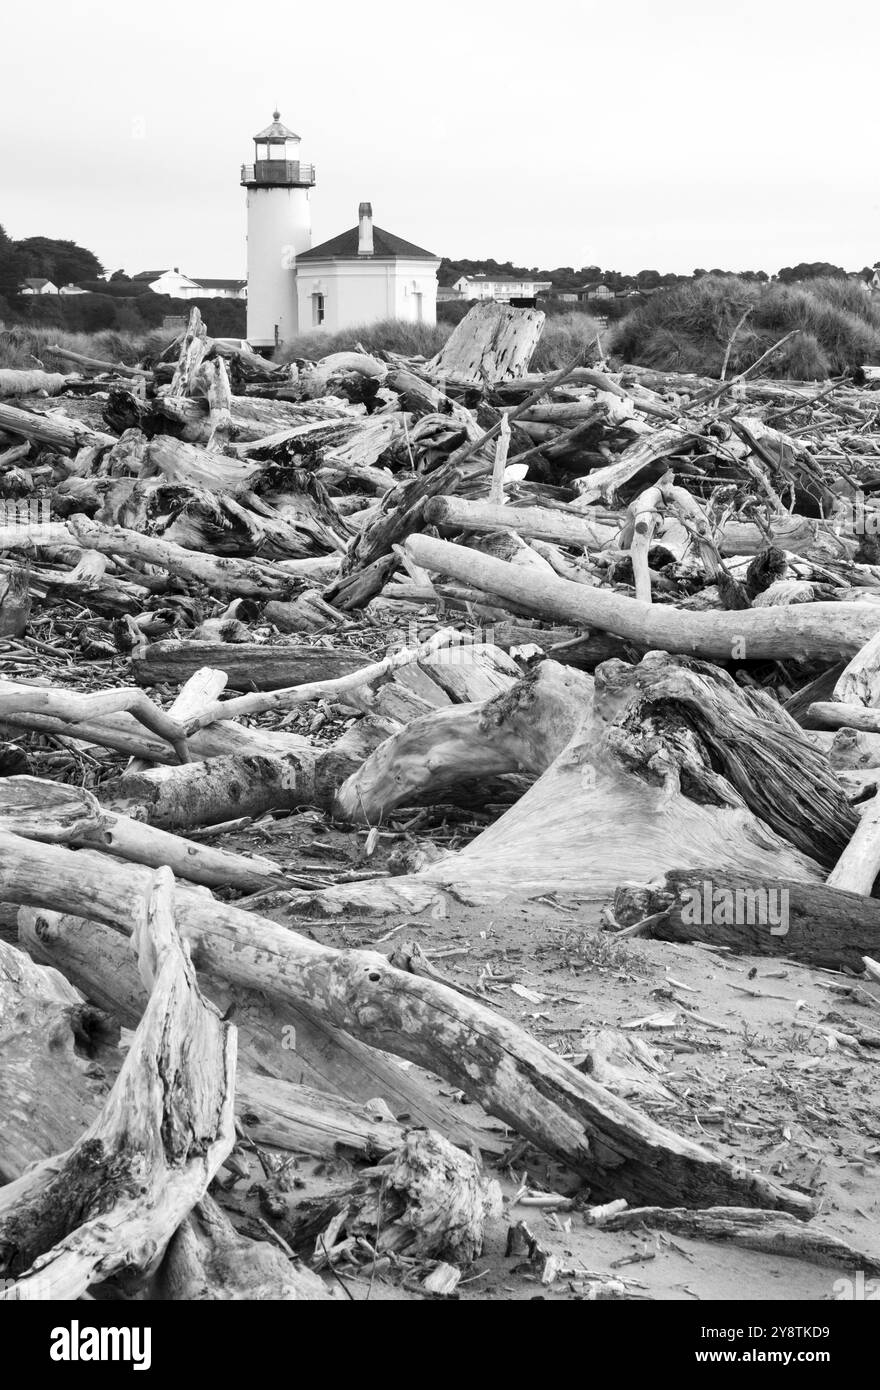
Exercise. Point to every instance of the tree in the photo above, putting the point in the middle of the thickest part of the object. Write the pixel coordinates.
(62, 262)
(12, 270)
(810, 270)
(119, 275)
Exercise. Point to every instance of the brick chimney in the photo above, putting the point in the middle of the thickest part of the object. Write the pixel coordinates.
(365, 229)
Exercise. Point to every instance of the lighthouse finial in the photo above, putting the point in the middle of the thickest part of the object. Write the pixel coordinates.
(276, 114)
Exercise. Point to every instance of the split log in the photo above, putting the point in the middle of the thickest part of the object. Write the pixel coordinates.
(113, 1201)
(810, 631)
(60, 814)
(307, 613)
(848, 749)
(248, 665)
(208, 1260)
(859, 682)
(858, 866)
(647, 452)
(180, 462)
(522, 730)
(301, 1085)
(193, 347)
(15, 602)
(494, 342)
(760, 915)
(50, 1080)
(563, 1112)
(249, 578)
(64, 434)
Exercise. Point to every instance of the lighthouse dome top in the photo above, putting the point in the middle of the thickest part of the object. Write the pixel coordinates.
(276, 133)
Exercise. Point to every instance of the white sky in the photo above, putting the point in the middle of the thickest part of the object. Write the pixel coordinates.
(663, 135)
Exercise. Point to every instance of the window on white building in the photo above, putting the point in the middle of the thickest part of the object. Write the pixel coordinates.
(317, 310)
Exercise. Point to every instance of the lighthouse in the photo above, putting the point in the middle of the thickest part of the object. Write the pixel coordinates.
(279, 229)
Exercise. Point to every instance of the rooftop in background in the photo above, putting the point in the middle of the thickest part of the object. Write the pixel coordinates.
(490, 279)
(36, 282)
(385, 246)
(219, 284)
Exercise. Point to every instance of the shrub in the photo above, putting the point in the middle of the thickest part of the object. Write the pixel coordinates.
(688, 327)
(388, 335)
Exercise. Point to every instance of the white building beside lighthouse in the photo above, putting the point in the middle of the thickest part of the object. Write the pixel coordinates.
(364, 275)
(279, 229)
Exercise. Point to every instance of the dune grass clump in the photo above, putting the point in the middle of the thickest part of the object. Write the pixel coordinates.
(388, 335)
(22, 347)
(687, 328)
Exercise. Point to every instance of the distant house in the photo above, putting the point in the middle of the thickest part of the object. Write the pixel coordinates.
(35, 284)
(220, 289)
(597, 290)
(507, 289)
(178, 286)
(169, 282)
(72, 289)
(564, 296)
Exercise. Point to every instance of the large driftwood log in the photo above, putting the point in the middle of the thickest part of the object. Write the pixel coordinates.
(220, 789)
(758, 915)
(637, 789)
(513, 1076)
(60, 814)
(249, 578)
(248, 665)
(769, 1232)
(543, 523)
(809, 631)
(522, 730)
(113, 1201)
(64, 434)
(301, 1084)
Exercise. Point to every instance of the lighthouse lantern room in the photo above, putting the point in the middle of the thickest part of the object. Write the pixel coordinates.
(279, 228)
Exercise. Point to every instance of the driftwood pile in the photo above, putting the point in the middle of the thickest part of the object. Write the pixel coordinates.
(636, 616)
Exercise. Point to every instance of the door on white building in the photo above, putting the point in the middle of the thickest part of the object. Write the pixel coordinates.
(417, 300)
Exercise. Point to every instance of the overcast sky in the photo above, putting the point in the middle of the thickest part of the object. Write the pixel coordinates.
(645, 135)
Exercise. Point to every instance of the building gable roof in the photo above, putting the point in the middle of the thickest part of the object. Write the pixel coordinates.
(208, 284)
(385, 244)
(36, 282)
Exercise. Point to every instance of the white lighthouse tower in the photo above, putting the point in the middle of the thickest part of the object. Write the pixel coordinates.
(279, 228)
